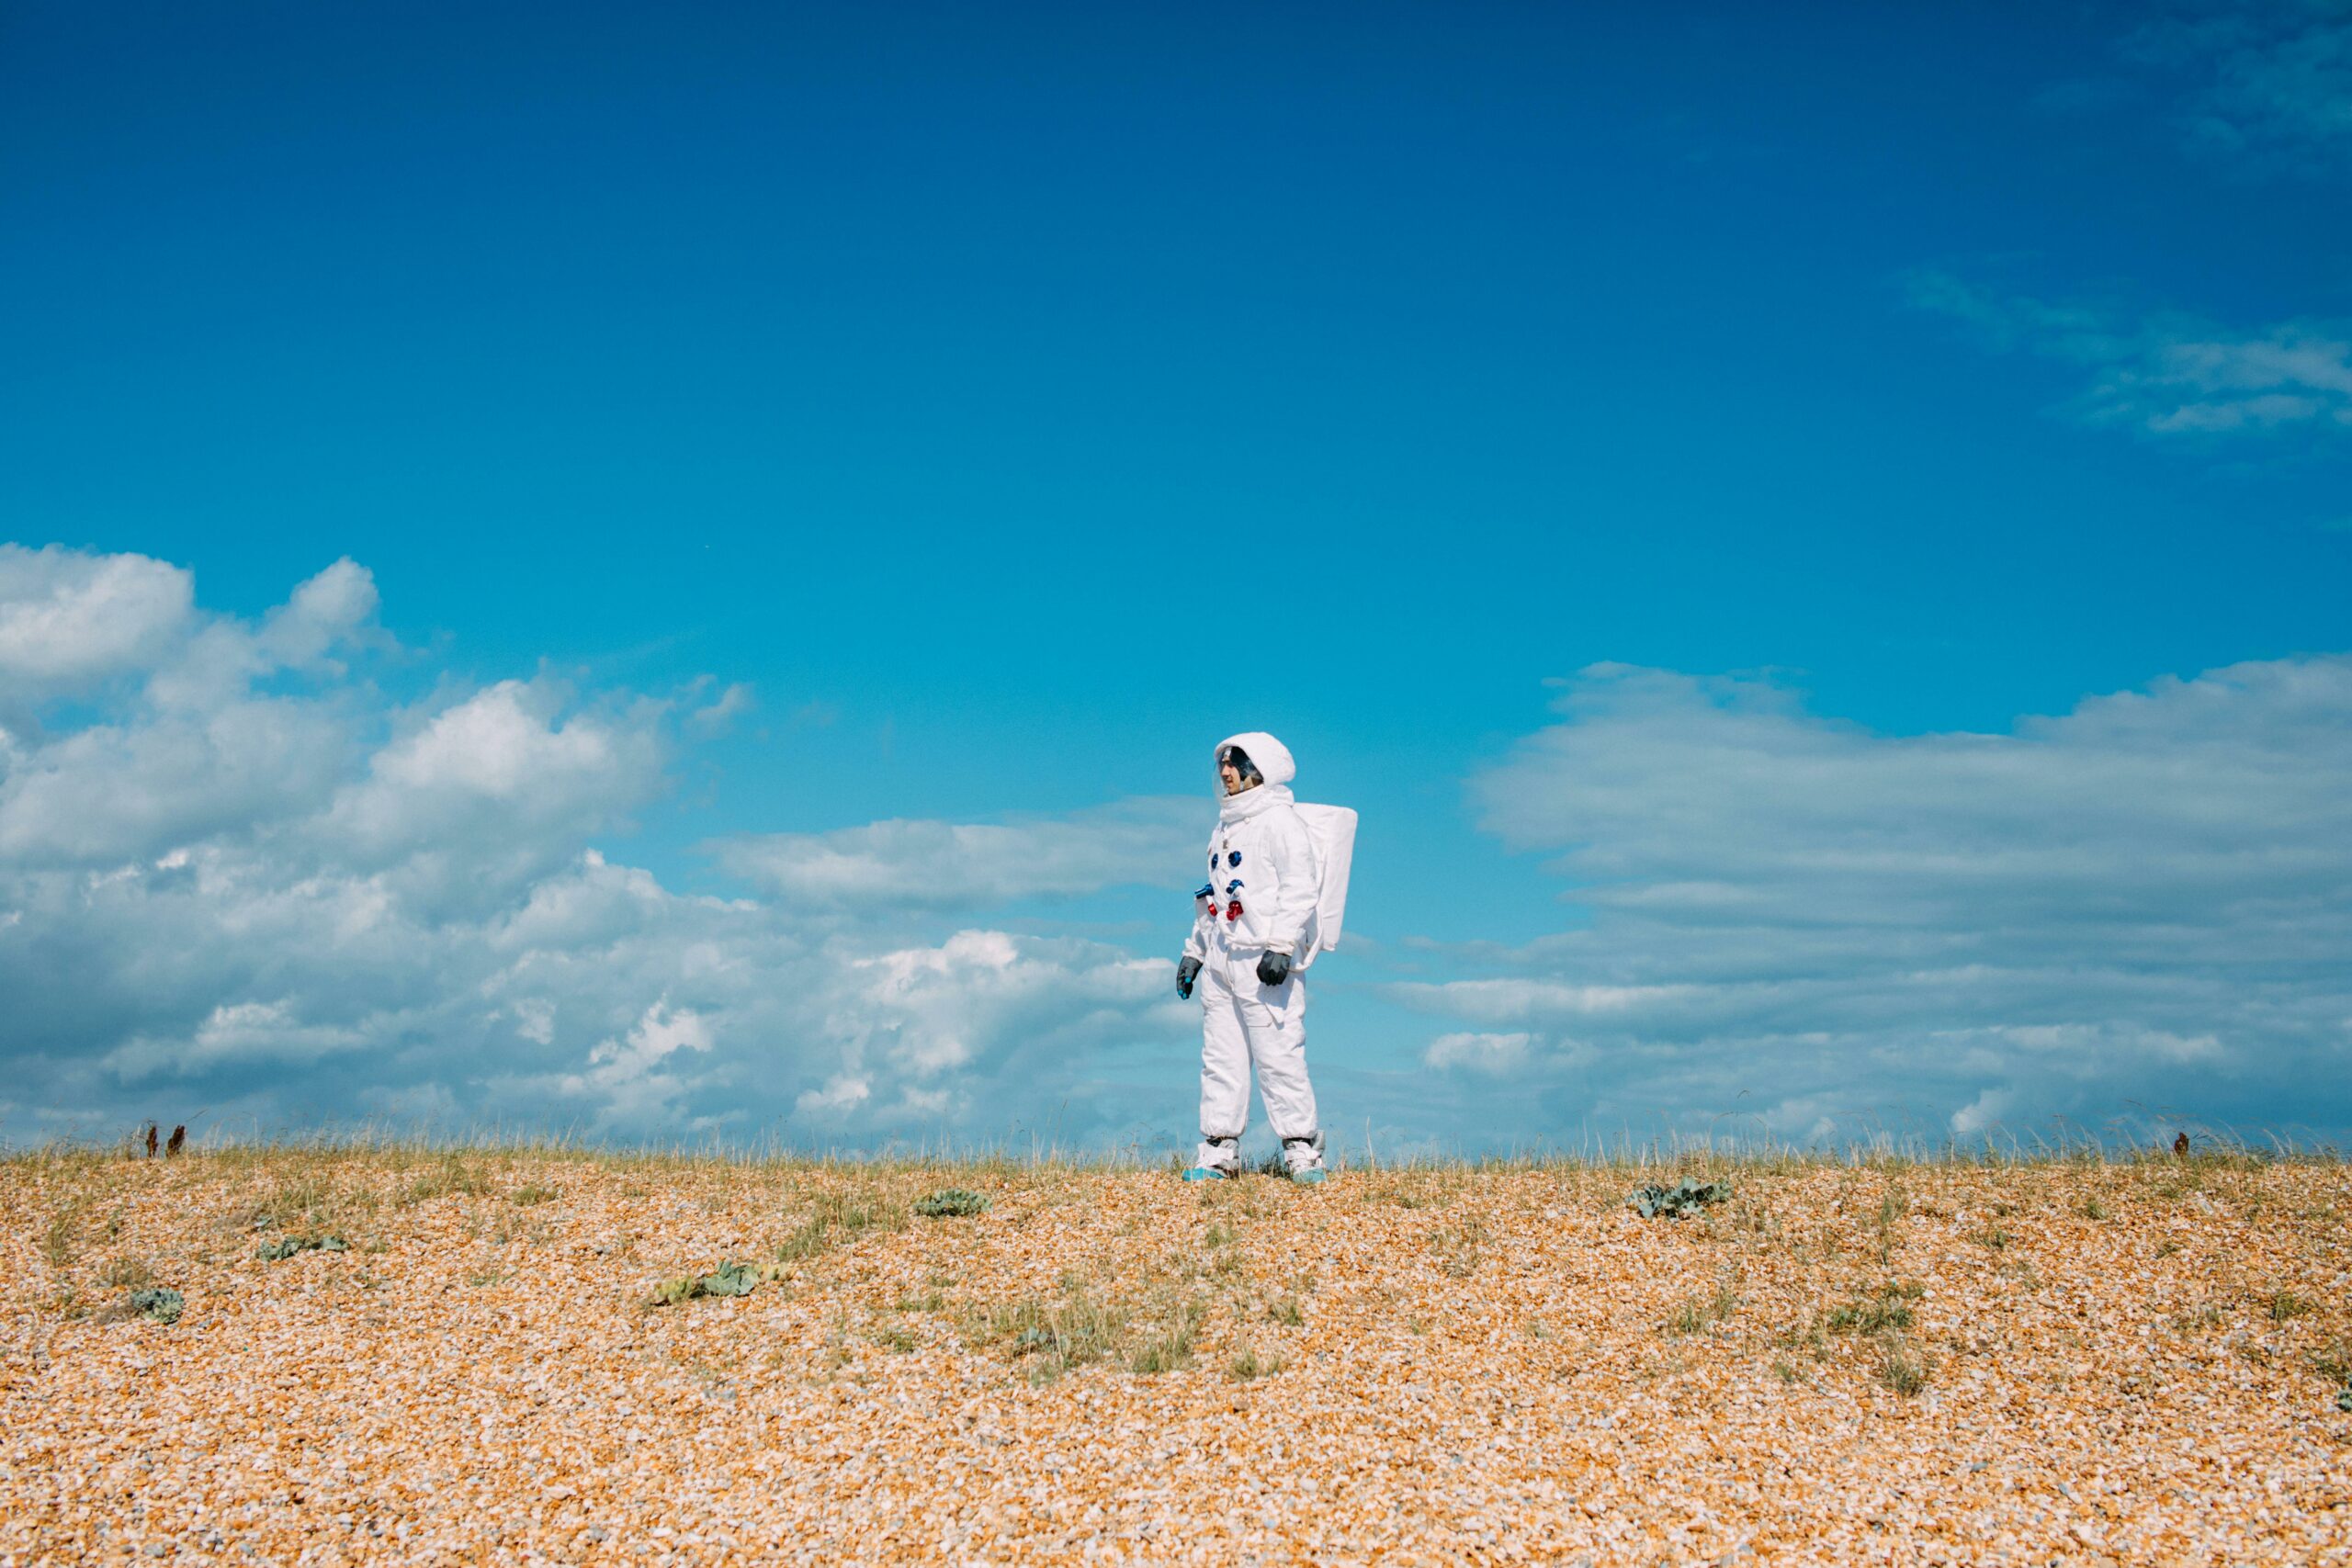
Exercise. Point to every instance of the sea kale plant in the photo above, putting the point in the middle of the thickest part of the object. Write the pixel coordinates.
(952, 1203)
(1687, 1196)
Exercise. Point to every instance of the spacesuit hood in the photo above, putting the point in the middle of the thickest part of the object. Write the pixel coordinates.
(1275, 765)
(1274, 759)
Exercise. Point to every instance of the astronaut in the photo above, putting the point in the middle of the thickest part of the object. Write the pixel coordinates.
(1252, 929)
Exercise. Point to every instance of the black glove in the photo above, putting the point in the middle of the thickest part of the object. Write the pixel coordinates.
(1273, 968)
(1187, 970)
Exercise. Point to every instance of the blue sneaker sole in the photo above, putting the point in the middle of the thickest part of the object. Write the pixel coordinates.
(1307, 1177)
(1203, 1173)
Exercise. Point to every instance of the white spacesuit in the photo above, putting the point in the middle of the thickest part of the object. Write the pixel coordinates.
(1254, 928)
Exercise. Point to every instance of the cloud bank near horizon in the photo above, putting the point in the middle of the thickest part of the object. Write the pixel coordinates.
(239, 873)
(2145, 902)
(960, 866)
(235, 874)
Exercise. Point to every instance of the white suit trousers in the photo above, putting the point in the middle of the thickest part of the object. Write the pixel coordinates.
(1246, 1024)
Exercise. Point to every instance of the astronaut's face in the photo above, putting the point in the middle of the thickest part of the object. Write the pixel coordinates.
(1237, 770)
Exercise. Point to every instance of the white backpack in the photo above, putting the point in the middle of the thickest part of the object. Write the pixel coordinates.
(1333, 828)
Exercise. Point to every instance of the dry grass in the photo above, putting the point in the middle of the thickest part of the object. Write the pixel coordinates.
(2066, 1360)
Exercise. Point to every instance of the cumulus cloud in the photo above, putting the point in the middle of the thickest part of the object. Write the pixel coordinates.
(928, 1012)
(972, 864)
(335, 608)
(234, 1033)
(2165, 375)
(477, 798)
(235, 877)
(68, 618)
(2147, 900)
(183, 747)
(137, 788)
(629, 1079)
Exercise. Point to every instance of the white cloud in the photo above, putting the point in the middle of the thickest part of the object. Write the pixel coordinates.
(311, 902)
(630, 1079)
(1984, 1114)
(716, 717)
(235, 1034)
(336, 606)
(193, 750)
(222, 657)
(968, 865)
(2165, 375)
(2201, 381)
(315, 905)
(925, 1010)
(500, 745)
(247, 979)
(1496, 1056)
(534, 1019)
(479, 798)
(132, 790)
(842, 1093)
(68, 618)
(2146, 901)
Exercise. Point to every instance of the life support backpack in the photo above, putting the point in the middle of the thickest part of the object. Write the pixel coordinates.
(1333, 828)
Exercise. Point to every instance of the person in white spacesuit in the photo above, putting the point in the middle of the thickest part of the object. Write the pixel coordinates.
(1251, 928)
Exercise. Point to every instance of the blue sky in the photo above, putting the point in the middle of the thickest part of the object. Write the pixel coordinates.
(1004, 403)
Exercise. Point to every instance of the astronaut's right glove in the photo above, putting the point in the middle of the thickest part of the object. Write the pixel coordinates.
(1273, 968)
(1187, 971)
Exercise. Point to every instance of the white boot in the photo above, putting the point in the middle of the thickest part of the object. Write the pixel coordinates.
(1218, 1159)
(1303, 1157)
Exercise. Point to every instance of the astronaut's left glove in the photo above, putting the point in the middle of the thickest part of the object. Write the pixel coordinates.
(1273, 968)
(1187, 971)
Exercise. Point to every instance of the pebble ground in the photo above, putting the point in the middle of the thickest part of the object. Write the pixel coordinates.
(2069, 1362)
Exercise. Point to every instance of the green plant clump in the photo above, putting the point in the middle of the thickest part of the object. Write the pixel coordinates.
(1888, 1309)
(1253, 1363)
(161, 1302)
(953, 1202)
(1870, 1317)
(1687, 1196)
(1904, 1372)
(726, 1279)
(729, 1280)
(286, 1247)
(1698, 1313)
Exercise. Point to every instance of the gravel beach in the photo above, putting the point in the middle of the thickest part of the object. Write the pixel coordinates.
(515, 1356)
